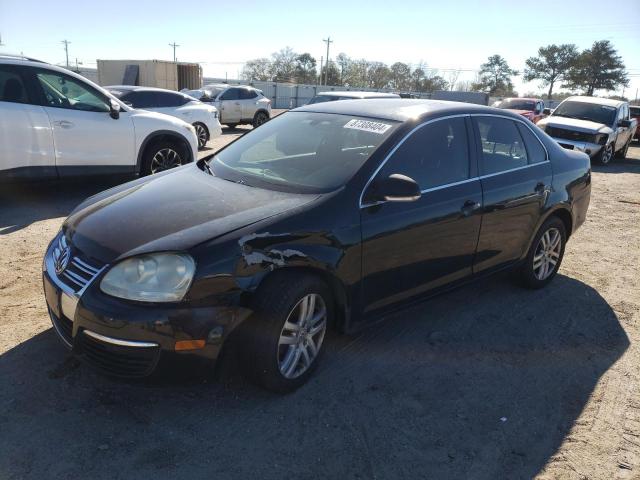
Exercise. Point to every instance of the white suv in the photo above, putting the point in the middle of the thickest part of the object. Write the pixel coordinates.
(202, 116)
(55, 123)
(236, 105)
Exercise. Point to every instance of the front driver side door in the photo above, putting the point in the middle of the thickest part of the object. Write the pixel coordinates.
(409, 248)
(230, 107)
(86, 138)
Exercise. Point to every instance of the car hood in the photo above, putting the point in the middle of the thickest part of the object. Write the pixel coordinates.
(170, 211)
(574, 124)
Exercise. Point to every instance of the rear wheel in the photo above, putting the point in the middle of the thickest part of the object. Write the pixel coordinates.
(605, 155)
(284, 338)
(545, 254)
(202, 133)
(260, 118)
(162, 156)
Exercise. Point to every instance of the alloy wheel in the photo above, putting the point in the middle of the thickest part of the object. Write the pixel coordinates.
(165, 159)
(260, 119)
(201, 133)
(547, 254)
(607, 154)
(302, 335)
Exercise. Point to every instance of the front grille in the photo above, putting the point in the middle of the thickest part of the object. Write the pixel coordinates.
(565, 134)
(78, 270)
(63, 326)
(117, 360)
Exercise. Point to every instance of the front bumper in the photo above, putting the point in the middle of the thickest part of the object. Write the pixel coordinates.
(131, 339)
(589, 148)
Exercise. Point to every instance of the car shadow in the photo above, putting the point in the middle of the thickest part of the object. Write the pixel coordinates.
(631, 164)
(22, 204)
(484, 382)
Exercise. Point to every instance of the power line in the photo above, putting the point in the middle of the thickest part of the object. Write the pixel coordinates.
(174, 45)
(66, 50)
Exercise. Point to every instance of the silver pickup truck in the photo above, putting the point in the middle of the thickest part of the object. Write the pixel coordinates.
(600, 127)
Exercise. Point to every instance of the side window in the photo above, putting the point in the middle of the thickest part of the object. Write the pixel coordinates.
(61, 91)
(535, 151)
(168, 99)
(230, 94)
(502, 145)
(246, 94)
(12, 87)
(143, 99)
(435, 155)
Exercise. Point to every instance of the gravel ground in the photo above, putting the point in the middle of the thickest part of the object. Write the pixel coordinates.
(487, 382)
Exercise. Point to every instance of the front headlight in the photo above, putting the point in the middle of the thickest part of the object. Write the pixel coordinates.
(600, 138)
(156, 277)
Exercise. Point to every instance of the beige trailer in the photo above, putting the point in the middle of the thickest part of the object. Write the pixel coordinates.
(150, 73)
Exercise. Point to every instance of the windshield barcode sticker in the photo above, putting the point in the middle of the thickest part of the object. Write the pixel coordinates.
(367, 126)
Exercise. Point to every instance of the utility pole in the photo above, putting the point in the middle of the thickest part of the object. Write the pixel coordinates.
(320, 76)
(328, 41)
(174, 45)
(66, 50)
(78, 63)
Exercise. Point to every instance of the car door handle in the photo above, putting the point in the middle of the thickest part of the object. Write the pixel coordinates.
(63, 124)
(469, 207)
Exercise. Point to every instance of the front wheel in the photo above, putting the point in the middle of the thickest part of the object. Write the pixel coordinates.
(162, 156)
(545, 254)
(284, 339)
(605, 155)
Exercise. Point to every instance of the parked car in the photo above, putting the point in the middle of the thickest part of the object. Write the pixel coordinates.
(349, 95)
(531, 108)
(600, 127)
(237, 105)
(55, 123)
(326, 217)
(634, 112)
(203, 117)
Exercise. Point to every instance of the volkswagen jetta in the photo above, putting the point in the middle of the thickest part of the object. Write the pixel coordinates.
(329, 216)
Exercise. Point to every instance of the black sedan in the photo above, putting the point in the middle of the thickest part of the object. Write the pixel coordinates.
(328, 216)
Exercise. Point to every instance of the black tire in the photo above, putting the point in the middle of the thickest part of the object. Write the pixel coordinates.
(622, 154)
(527, 272)
(202, 133)
(277, 301)
(605, 155)
(149, 166)
(259, 118)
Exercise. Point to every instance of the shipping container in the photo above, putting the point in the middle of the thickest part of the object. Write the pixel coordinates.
(150, 73)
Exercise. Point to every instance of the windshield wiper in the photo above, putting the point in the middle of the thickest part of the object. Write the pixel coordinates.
(207, 167)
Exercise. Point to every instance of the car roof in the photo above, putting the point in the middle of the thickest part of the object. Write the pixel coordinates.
(523, 98)
(355, 94)
(401, 109)
(138, 88)
(596, 100)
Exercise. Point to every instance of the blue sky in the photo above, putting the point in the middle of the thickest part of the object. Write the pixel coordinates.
(221, 35)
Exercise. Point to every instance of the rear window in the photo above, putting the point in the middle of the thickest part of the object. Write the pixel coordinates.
(12, 88)
(635, 111)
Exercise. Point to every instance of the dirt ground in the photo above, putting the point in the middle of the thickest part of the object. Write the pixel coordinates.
(487, 382)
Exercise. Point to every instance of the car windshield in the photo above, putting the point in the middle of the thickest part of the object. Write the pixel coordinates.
(586, 111)
(303, 152)
(516, 104)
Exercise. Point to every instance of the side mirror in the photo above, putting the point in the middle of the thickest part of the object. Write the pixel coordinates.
(624, 123)
(114, 109)
(547, 111)
(395, 188)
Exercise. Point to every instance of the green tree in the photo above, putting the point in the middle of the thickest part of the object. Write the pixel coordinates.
(400, 76)
(333, 76)
(597, 68)
(433, 83)
(378, 75)
(257, 69)
(305, 68)
(343, 62)
(495, 76)
(283, 65)
(551, 65)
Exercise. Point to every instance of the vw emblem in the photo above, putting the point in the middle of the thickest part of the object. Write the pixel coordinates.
(61, 257)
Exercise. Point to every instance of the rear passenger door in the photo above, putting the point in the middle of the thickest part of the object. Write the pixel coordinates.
(409, 248)
(26, 140)
(516, 180)
(248, 99)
